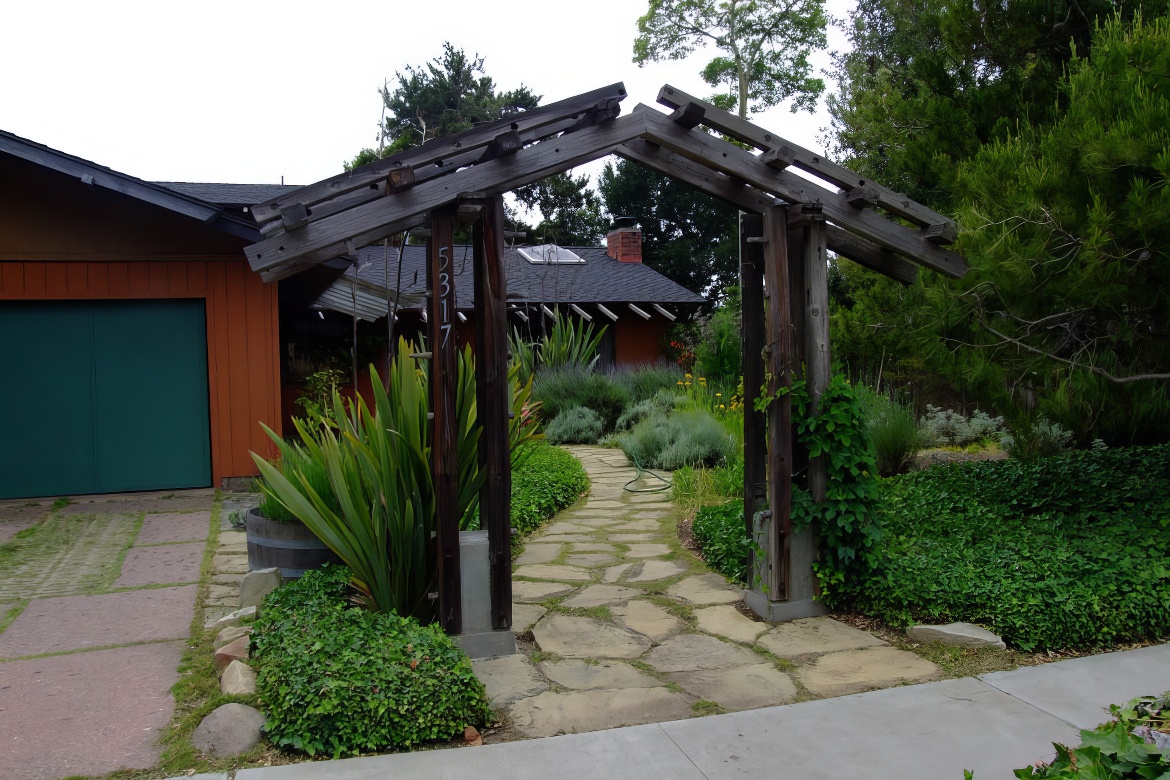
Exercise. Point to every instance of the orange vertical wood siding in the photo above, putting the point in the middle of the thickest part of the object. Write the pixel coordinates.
(243, 343)
(637, 340)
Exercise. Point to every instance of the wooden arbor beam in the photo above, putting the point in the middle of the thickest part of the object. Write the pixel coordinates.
(281, 255)
(798, 157)
(494, 404)
(750, 199)
(528, 125)
(743, 165)
(755, 442)
(444, 431)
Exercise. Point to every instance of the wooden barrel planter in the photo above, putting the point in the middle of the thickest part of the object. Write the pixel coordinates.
(290, 547)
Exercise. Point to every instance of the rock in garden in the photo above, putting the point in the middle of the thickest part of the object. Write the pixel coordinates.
(231, 619)
(258, 584)
(471, 736)
(956, 634)
(233, 651)
(238, 679)
(229, 635)
(229, 730)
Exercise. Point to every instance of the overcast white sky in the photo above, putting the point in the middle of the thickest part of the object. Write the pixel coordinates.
(245, 91)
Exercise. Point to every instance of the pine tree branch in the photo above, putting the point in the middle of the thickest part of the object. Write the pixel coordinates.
(1074, 364)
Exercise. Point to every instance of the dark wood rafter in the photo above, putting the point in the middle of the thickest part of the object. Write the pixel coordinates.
(444, 432)
(494, 403)
(782, 153)
(750, 199)
(790, 224)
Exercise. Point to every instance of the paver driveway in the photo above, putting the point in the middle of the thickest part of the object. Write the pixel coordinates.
(96, 598)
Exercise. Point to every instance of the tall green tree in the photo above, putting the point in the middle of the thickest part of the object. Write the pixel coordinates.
(1067, 229)
(763, 45)
(925, 83)
(447, 95)
(686, 235)
(571, 210)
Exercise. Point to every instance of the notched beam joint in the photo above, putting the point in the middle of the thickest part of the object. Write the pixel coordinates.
(688, 116)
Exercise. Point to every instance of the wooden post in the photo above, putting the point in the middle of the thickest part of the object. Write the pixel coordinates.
(444, 436)
(780, 411)
(797, 300)
(494, 404)
(755, 441)
(816, 330)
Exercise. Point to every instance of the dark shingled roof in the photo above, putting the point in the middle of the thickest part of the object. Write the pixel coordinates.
(600, 279)
(229, 195)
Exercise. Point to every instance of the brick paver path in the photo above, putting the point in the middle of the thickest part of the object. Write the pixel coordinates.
(630, 628)
(95, 601)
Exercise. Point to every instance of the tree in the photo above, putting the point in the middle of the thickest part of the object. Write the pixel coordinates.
(687, 236)
(446, 96)
(926, 83)
(571, 211)
(764, 45)
(1067, 229)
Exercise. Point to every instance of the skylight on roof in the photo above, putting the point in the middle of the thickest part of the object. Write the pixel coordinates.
(549, 254)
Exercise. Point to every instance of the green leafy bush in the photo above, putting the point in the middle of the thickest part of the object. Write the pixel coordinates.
(646, 381)
(689, 438)
(662, 402)
(1063, 552)
(341, 680)
(947, 428)
(559, 390)
(578, 425)
(721, 534)
(550, 480)
(1041, 438)
(1116, 750)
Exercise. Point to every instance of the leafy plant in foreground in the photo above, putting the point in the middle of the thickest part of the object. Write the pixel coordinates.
(341, 680)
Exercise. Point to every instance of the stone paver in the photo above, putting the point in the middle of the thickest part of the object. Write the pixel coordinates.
(577, 711)
(161, 565)
(539, 553)
(599, 595)
(539, 591)
(815, 635)
(705, 589)
(739, 687)
(582, 675)
(612, 557)
(174, 527)
(86, 713)
(853, 671)
(524, 616)
(508, 679)
(550, 572)
(726, 620)
(691, 652)
(650, 620)
(583, 637)
(76, 622)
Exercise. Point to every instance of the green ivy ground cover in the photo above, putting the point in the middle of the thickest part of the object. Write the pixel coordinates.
(1065, 552)
(547, 482)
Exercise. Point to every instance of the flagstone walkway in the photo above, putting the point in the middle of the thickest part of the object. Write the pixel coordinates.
(626, 627)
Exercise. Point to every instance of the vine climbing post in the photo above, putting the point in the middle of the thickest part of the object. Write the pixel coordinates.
(816, 328)
(779, 321)
(755, 442)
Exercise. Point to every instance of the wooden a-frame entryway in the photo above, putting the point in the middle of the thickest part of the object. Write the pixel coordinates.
(788, 225)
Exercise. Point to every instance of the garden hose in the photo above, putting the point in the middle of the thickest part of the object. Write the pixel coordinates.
(666, 484)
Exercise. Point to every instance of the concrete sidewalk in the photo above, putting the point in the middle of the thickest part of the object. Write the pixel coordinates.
(992, 725)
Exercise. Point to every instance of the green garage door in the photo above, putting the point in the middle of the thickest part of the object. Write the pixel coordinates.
(102, 397)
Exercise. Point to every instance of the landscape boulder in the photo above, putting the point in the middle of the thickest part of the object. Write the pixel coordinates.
(230, 730)
(238, 679)
(258, 584)
(956, 635)
(229, 635)
(232, 619)
(232, 651)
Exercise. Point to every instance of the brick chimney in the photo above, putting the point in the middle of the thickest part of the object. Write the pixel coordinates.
(624, 242)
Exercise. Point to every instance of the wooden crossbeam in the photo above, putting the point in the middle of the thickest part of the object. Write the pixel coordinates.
(536, 121)
(733, 161)
(319, 240)
(808, 161)
(752, 200)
